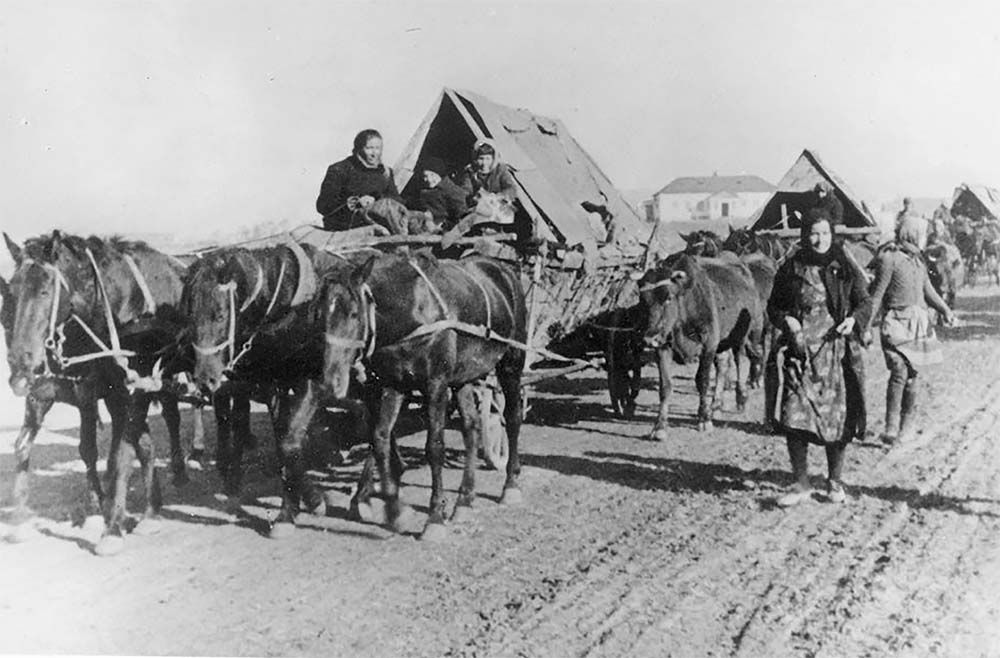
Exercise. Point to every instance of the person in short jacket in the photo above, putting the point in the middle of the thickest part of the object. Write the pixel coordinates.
(440, 196)
(820, 303)
(903, 290)
(352, 185)
(486, 172)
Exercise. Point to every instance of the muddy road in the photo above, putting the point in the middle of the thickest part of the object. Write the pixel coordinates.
(623, 547)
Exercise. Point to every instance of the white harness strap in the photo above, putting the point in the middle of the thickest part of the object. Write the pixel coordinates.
(256, 288)
(305, 289)
(433, 288)
(141, 280)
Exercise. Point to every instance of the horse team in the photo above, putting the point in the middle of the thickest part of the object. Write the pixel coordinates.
(301, 328)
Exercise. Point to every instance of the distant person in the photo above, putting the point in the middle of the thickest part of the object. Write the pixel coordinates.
(486, 172)
(920, 222)
(903, 290)
(826, 198)
(352, 185)
(440, 196)
(820, 304)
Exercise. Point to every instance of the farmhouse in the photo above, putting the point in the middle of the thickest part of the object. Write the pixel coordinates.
(710, 197)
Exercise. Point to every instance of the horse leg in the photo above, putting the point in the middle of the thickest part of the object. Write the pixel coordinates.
(197, 432)
(721, 379)
(391, 403)
(703, 380)
(472, 429)
(509, 377)
(741, 393)
(222, 404)
(302, 409)
(438, 394)
(145, 449)
(659, 432)
(34, 411)
(88, 453)
(119, 471)
(172, 418)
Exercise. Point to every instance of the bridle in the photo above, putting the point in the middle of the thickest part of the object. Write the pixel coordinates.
(230, 342)
(366, 344)
(56, 335)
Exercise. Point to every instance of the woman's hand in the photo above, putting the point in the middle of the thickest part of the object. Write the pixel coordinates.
(846, 327)
(366, 201)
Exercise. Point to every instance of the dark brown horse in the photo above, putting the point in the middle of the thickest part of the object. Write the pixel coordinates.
(706, 305)
(251, 328)
(702, 243)
(745, 240)
(432, 326)
(98, 314)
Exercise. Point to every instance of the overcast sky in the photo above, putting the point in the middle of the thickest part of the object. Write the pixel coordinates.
(195, 115)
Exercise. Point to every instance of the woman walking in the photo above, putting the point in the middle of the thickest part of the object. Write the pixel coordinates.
(820, 302)
(903, 290)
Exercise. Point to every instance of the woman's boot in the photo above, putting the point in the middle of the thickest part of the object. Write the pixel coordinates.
(908, 410)
(798, 452)
(893, 402)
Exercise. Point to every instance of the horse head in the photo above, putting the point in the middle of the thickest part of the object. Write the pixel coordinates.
(37, 302)
(347, 309)
(217, 289)
(661, 290)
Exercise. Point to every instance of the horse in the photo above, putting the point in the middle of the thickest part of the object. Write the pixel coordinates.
(702, 243)
(707, 303)
(97, 315)
(434, 326)
(250, 328)
(745, 240)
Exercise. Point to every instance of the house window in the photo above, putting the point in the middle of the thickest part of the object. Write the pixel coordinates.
(725, 210)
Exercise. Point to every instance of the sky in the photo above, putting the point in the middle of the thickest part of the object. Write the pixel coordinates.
(191, 116)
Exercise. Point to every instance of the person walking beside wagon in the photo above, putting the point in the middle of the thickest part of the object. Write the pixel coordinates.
(902, 288)
(352, 185)
(820, 303)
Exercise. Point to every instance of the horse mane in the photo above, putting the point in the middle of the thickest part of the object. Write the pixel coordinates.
(46, 247)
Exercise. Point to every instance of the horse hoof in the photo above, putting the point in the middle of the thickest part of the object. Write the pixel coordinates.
(659, 434)
(109, 545)
(372, 511)
(512, 497)
(148, 527)
(434, 532)
(705, 426)
(94, 524)
(461, 513)
(319, 509)
(404, 520)
(282, 530)
(193, 464)
(23, 533)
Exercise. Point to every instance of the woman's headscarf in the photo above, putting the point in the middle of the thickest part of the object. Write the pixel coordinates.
(909, 233)
(813, 217)
(490, 143)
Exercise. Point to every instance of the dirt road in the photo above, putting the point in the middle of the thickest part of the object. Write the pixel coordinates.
(623, 547)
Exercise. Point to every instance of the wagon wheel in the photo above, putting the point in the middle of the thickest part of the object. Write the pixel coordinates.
(494, 434)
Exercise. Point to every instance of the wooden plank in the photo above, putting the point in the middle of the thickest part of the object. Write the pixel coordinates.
(840, 230)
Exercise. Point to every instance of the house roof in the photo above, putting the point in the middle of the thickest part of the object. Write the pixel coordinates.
(795, 194)
(559, 184)
(716, 184)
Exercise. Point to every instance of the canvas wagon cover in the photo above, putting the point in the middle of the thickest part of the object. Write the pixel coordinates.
(795, 194)
(559, 184)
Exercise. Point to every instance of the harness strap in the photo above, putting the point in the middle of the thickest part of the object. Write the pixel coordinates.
(116, 347)
(141, 280)
(433, 288)
(256, 288)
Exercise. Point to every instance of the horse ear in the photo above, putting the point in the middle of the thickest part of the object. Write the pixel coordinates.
(15, 251)
(686, 237)
(361, 274)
